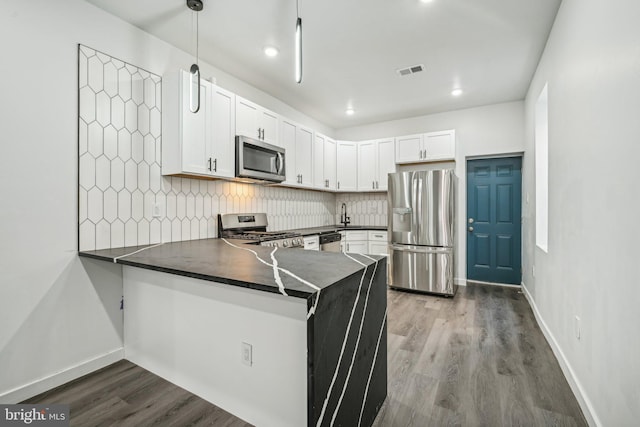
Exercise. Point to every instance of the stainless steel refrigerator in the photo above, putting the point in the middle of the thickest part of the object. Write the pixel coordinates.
(421, 231)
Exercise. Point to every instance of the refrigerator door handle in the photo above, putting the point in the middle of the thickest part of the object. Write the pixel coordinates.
(421, 249)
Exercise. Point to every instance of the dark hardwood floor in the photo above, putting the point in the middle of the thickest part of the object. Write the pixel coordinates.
(126, 395)
(478, 359)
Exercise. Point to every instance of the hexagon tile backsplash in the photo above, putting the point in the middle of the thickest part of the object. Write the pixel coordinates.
(120, 179)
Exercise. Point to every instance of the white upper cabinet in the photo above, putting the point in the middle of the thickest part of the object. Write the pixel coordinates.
(304, 156)
(440, 145)
(288, 133)
(376, 159)
(330, 163)
(367, 165)
(199, 143)
(255, 121)
(318, 161)
(427, 147)
(347, 169)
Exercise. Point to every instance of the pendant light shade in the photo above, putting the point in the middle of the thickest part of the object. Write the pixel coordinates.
(194, 78)
(298, 44)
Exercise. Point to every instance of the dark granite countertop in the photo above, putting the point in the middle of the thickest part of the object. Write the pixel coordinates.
(333, 228)
(300, 273)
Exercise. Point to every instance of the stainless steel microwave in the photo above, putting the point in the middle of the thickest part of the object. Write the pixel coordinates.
(258, 160)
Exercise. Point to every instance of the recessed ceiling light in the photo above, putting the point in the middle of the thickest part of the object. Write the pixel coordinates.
(426, 1)
(271, 51)
(456, 92)
(350, 112)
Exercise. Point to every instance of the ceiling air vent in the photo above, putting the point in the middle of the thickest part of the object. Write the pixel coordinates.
(411, 70)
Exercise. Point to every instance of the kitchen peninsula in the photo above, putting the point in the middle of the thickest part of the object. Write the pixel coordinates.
(279, 337)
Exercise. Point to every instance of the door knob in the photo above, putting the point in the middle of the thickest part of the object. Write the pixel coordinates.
(470, 220)
(470, 228)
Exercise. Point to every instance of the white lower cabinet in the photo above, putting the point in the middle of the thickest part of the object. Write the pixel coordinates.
(371, 242)
(312, 243)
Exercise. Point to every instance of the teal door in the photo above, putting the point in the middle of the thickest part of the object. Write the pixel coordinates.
(494, 204)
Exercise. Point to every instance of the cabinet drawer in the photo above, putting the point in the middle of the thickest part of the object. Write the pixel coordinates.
(354, 236)
(377, 236)
(312, 243)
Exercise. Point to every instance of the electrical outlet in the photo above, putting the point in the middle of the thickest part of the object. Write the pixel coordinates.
(247, 354)
(576, 326)
(157, 213)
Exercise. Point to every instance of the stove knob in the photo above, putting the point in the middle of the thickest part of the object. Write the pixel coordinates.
(285, 243)
(299, 241)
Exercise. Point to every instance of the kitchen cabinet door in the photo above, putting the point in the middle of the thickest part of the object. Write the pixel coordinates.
(378, 248)
(367, 165)
(318, 161)
(330, 163)
(357, 247)
(440, 145)
(288, 134)
(223, 132)
(347, 170)
(409, 149)
(304, 156)
(386, 162)
(255, 121)
(186, 147)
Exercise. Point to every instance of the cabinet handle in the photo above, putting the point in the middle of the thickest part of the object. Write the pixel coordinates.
(259, 133)
(373, 185)
(425, 154)
(420, 154)
(263, 134)
(215, 165)
(377, 185)
(338, 185)
(209, 164)
(347, 247)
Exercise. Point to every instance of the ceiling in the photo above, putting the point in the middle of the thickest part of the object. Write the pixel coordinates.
(352, 49)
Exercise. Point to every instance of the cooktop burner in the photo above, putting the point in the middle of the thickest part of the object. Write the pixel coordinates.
(253, 226)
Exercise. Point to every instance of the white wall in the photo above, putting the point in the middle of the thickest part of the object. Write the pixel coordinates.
(592, 66)
(483, 131)
(60, 316)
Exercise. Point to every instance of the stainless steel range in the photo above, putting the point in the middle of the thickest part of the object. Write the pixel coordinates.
(253, 226)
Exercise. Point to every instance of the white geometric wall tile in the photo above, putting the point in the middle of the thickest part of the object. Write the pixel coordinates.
(143, 119)
(124, 144)
(96, 74)
(117, 174)
(155, 231)
(82, 137)
(137, 147)
(117, 112)
(154, 122)
(143, 177)
(94, 205)
(181, 206)
(87, 171)
(176, 230)
(131, 175)
(124, 205)
(149, 202)
(137, 88)
(203, 228)
(186, 229)
(103, 235)
(103, 108)
(191, 206)
(88, 102)
(195, 229)
(137, 205)
(82, 204)
(199, 208)
(103, 173)
(87, 233)
(124, 84)
(149, 149)
(130, 233)
(110, 142)
(82, 69)
(110, 205)
(110, 79)
(117, 234)
(103, 58)
(131, 115)
(165, 232)
(171, 211)
(94, 138)
(143, 232)
(149, 93)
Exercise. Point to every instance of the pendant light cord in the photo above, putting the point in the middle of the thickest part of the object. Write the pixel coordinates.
(297, 9)
(197, 39)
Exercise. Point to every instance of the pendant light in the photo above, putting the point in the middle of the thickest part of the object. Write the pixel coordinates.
(194, 80)
(298, 44)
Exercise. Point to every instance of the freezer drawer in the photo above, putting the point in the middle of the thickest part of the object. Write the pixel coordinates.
(419, 268)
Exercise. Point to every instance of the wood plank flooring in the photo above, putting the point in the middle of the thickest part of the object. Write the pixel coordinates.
(126, 395)
(478, 359)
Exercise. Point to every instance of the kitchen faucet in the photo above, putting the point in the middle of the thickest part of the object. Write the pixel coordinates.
(344, 219)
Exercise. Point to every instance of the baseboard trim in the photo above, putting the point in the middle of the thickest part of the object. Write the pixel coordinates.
(504, 285)
(584, 402)
(460, 282)
(34, 388)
